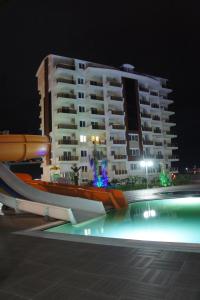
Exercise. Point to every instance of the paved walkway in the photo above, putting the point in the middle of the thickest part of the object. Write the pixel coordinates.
(39, 269)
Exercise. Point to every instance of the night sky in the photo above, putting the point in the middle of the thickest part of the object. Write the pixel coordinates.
(161, 38)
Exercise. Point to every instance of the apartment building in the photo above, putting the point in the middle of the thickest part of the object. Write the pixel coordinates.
(117, 115)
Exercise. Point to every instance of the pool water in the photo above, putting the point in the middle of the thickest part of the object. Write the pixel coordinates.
(170, 220)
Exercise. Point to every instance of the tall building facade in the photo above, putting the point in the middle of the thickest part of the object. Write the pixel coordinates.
(117, 115)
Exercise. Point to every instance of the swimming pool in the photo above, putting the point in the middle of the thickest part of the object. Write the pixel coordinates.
(171, 220)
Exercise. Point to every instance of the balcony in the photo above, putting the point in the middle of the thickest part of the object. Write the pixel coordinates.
(143, 89)
(95, 83)
(170, 133)
(145, 115)
(97, 112)
(157, 130)
(147, 142)
(66, 66)
(173, 157)
(158, 144)
(153, 105)
(134, 157)
(115, 126)
(144, 102)
(159, 156)
(68, 142)
(117, 112)
(120, 172)
(152, 93)
(95, 97)
(156, 118)
(62, 80)
(116, 98)
(145, 128)
(66, 110)
(67, 126)
(119, 156)
(115, 84)
(65, 95)
(68, 158)
(172, 145)
(98, 127)
(119, 142)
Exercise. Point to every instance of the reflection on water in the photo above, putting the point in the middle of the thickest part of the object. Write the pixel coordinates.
(173, 220)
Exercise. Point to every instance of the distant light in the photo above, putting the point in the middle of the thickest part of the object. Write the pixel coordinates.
(152, 213)
(149, 213)
(146, 163)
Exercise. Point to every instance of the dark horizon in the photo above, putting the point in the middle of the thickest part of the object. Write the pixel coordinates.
(159, 39)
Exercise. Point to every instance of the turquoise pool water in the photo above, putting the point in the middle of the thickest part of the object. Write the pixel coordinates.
(171, 220)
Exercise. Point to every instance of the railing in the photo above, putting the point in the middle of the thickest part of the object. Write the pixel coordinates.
(116, 98)
(156, 118)
(67, 142)
(171, 145)
(173, 157)
(95, 83)
(120, 172)
(97, 112)
(147, 142)
(62, 80)
(95, 97)
(153, 93)
(170, 132)
(117, 112)
(66, 110)
(134, 157)
(101, 127)
(144, 102)
(159, 156)
(115, 84)
(145, 115)
(120, 156)
(158, 143)
(146, 128)
(118, 126)
(157, 131)
(65, 95)
(66, 66)
(153, 105)
(119, 142)
(67, 126)
(68, 158)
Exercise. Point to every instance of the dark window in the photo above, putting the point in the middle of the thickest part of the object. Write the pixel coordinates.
(83, 153)
(81, 109)
(82, 123)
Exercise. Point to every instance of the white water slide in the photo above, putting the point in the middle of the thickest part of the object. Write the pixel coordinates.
(76, 209)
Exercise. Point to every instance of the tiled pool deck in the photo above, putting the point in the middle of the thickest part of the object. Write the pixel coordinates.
(38, 268)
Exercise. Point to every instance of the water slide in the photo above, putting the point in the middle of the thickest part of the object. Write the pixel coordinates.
(22, 147)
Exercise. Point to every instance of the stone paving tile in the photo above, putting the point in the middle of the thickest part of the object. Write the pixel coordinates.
(8, 296)
(128, 272)
(191, 267)
(96, 267)
(166, 264)
(159, 277)
(187, 280)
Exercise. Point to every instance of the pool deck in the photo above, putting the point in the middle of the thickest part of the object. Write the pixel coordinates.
(43, 268)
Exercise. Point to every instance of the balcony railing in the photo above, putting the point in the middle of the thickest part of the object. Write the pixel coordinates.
(118, 126)
(116, 98)
(100, 127)
(134, 157)
(170, 133)
(144, 128)
(66, 110)
(62, 80)
(147, 142)
(173, 157)
(65, 95)
(97, 112)
(119, 142)
(152, 93)
(95, 97)
(67, 126)
(156, 118)
(68, 158)
(120, 172)
(153, 105)
(144, 102)
(171, 145)
(66, 66)
(115, 84)
(145, 115)
(68, 142)
(117, 112)
(120, 156)
(158, 143)
(157, 130)
(95, 83)
(159, 156)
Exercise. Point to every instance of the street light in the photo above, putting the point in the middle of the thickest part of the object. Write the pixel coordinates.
(145, 164)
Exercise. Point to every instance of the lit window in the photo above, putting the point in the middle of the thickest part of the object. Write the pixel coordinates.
(83, 138)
